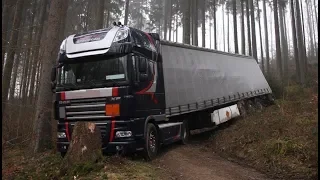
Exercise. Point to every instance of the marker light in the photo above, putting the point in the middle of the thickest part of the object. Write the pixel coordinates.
(112, 109)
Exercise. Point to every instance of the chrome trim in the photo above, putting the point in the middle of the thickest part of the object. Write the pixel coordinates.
(85, 112)
(85, 106)
(88, 117)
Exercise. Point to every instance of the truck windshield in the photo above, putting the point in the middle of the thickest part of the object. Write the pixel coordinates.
(92, 73)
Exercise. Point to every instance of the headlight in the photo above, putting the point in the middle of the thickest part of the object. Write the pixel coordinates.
(61, 135)
(122, 134)
(121, 34)
(63, 47)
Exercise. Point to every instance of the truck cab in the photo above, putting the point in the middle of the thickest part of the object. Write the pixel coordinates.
(111, 77)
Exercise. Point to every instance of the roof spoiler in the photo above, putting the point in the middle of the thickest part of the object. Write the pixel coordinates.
(155, 36)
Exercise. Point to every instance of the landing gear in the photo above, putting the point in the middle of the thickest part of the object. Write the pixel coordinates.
(152, 142)
(185, 132)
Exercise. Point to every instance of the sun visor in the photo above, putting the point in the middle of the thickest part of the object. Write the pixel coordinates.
(92, 43)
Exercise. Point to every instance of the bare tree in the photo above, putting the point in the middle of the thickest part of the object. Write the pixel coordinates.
(203, 20)
(248, 27)
(126, 14)
(58, 10)
(186, 22)
(277, 38)
(253, 29)
(235, 28)
(11, 52)
(100, 14)
(243, 39)
(295, 42)
(266, 36)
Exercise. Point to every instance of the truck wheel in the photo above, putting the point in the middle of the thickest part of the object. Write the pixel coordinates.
(185, 132)
(151, 142)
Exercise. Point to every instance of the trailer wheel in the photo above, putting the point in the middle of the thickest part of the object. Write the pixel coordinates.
(185, 132)
(258, 104)
(242, 109)
(151, 142)
(250, 107)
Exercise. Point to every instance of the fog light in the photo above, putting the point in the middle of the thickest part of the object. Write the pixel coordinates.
(61, 135)
(122, 134)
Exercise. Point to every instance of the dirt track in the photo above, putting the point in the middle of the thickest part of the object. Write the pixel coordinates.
(190, 162)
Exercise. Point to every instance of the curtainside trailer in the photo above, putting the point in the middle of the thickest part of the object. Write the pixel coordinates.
(143, 92)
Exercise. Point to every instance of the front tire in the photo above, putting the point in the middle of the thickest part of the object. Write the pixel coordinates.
(151, 142)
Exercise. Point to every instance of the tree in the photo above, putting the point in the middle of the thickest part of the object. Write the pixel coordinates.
(301, 53)
(11, 52)
(126, 14)
(277, 39)
(195, 22)
(295, 42)
(203, 20)
(284, 43)
(261, 46)
(248, 27)
(235, 31)
(186, 22)
(266, 36)
(58, 10)
(243, 39)
(254, 42)
(100, 14)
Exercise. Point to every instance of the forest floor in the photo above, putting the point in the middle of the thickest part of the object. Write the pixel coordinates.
(280, 142)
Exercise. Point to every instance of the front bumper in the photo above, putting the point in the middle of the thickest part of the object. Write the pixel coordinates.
(110, 143)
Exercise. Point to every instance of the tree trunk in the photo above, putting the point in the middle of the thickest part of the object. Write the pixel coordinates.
(100, 16)
(254, 42)
(243, 39)
(11, 52)
(261, 46)
(170, 19)
(215, 24)
(277, 38)
(5, 16)
(301, 53)
(248, 27)
(165, 19)
(266, 37)
(42, 128)
(215, 37)
(311, 32)
(295, 42)
(210, 26)
(126, 14)
(195, 23)
(235, 28)
(203, 16)
(284, 44)
(228, 36)
(186, 23)
(177, 28)
(85, 146)
(37, 50)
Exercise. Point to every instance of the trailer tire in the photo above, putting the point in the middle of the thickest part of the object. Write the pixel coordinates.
(242, 109)
(151, 142)
(185, 132)
(258, 105)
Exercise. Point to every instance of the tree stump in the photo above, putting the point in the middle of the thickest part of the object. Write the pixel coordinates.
(85, 146)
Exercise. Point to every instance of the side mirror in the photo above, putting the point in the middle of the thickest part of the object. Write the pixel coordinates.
(143, 65)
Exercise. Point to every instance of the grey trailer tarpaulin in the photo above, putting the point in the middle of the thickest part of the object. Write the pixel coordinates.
(196, 75)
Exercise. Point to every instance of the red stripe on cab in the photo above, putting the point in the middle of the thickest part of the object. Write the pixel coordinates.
(67, 130)
(63, 96)
(115, 91)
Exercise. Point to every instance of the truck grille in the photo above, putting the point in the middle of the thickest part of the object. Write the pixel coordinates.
(86, 109)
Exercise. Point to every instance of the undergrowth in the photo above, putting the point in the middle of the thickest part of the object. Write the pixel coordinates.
(281, 141)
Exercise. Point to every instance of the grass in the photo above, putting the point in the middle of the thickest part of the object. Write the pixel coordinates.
(281, 141)
(17, 165)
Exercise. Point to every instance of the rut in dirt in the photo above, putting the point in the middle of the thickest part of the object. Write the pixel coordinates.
(191, 162)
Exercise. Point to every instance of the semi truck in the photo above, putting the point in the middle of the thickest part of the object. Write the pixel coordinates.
(143, 92)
